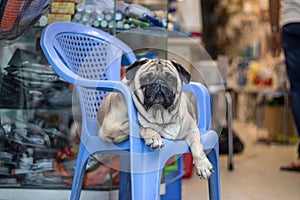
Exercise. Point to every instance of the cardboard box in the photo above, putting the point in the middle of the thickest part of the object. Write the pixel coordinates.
(62, 8)
(280, 126)
(59, 18)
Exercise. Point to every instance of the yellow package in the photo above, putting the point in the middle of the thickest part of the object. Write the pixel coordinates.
(59, 18)
(62, 8)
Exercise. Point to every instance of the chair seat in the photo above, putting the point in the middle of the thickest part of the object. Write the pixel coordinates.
(171, 147)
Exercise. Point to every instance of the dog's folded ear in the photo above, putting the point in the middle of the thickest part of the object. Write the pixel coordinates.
(132, 69)
(185, 75)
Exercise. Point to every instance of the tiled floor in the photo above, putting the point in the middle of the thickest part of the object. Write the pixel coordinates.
(256, 174)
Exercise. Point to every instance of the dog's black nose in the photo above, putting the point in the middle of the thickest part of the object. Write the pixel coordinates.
(156, 93)
(159, 81)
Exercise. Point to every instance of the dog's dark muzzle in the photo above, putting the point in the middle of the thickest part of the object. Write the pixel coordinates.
(156, 93)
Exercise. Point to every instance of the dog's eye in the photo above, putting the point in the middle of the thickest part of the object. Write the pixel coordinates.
(170, 78)
(145, 79)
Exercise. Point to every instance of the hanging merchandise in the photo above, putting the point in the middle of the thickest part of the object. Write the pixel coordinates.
(28, 83)
(18, 16)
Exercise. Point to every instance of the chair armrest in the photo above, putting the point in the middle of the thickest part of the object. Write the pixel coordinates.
(203, 104)
(115, 86)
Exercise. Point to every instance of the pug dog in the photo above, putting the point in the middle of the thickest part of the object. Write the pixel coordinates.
(164, 111)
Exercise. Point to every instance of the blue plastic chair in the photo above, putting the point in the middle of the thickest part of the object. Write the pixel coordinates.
(90, 59)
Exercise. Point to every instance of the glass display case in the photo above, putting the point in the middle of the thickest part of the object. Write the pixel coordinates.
(38, 138)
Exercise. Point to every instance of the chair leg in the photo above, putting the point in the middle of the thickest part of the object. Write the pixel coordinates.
(81, 162)
(125, 179)
(173, 189)
(146, 185)
(214, 181)
(125, 186)
(173, 181)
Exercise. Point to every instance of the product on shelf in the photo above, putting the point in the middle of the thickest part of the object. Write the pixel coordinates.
(101, 15)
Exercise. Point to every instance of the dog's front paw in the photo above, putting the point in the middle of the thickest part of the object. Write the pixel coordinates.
(204, 168)
(152, 138)
(154, 142)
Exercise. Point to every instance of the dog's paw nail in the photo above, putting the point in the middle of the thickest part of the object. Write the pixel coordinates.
(155, 144)
(160, 147)
(204, 169)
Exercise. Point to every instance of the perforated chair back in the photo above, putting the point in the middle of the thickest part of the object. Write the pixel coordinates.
(94, 56)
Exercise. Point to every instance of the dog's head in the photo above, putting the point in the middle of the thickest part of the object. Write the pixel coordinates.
(157, 81)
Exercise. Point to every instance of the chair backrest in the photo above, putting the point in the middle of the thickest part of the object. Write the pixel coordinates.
(75, 50)
(78, 51)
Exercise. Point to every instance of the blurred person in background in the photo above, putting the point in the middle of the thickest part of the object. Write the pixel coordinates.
(285, 35)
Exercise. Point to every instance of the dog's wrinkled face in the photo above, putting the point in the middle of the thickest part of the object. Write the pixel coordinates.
(159, 85)
(157, 81)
